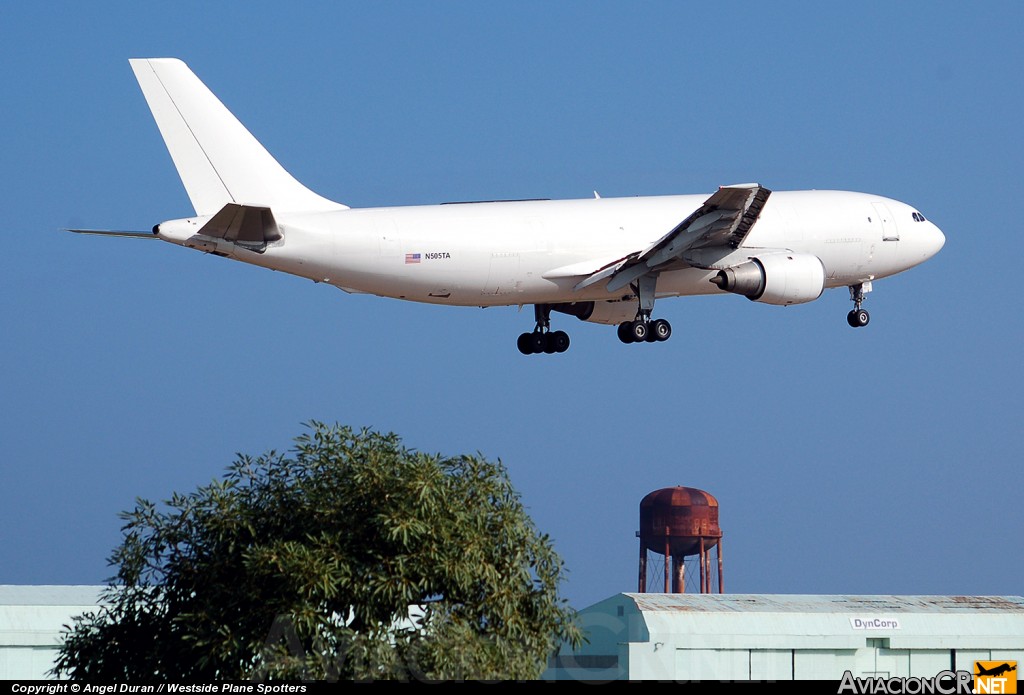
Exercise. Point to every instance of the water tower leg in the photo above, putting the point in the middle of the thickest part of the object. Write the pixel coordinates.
(668, 565)
(707, 562)
(707, 559)
(703, 568)
(679, 577)
(642, 580)
(721, 581)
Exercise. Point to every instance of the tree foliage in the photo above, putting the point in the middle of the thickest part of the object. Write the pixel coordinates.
(351, 557)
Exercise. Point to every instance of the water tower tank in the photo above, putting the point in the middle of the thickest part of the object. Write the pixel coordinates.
(677, 522)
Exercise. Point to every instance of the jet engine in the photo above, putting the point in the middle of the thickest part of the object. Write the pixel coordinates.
(775, 278)
(611, 313)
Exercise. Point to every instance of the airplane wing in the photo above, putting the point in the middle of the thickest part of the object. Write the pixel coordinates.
(724, 220)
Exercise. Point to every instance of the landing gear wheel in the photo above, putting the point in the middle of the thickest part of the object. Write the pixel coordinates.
(558, 341)
(538, 341)
(638, 330)
(661, 330)
(525, 343)
(542, 339)
(625, 331)
(858, 318)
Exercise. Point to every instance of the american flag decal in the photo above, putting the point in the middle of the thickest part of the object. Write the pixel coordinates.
(412, 258)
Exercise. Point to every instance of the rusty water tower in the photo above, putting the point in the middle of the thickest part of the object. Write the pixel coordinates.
(680, 522)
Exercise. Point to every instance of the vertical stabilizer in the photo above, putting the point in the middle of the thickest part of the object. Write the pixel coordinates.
(218, 160)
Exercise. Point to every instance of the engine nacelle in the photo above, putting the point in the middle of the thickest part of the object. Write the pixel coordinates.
(611, 313)
(775, 278)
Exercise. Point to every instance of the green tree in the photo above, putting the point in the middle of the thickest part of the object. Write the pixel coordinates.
(351, 557)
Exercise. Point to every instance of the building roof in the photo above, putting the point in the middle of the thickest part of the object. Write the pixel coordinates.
(54, 595)
(805, 603)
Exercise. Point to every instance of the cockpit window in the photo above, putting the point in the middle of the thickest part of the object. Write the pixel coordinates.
(918, 217)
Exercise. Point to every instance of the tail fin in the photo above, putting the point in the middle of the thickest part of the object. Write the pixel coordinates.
(218, 160)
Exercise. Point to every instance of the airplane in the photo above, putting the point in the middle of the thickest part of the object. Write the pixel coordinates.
(996, 670)
(602, 260)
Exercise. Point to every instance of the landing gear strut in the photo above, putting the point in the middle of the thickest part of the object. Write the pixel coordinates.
(642, 329)
(543, 339)
(858, 318)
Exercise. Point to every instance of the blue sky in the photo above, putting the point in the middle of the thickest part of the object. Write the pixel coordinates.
(882, 460)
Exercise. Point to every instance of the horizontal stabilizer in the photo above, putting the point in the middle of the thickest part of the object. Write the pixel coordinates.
(114, 232)
(243, 224)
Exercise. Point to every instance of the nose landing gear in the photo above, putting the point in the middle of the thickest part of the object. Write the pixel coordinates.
(858, 318)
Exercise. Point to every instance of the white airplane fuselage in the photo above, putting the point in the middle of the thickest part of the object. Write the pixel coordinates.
(509, 253)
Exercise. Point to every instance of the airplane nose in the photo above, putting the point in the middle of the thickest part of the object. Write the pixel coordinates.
(932, 240)
(922, 241)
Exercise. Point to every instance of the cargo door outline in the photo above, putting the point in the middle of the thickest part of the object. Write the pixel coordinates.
(503, 277)
(890, 232)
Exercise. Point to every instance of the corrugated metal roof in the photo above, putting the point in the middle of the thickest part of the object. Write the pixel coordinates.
(801, 603)
(55, 595)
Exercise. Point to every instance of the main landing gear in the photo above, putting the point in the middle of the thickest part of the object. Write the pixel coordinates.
(858, 318)
(543, 339)
(642, 329)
